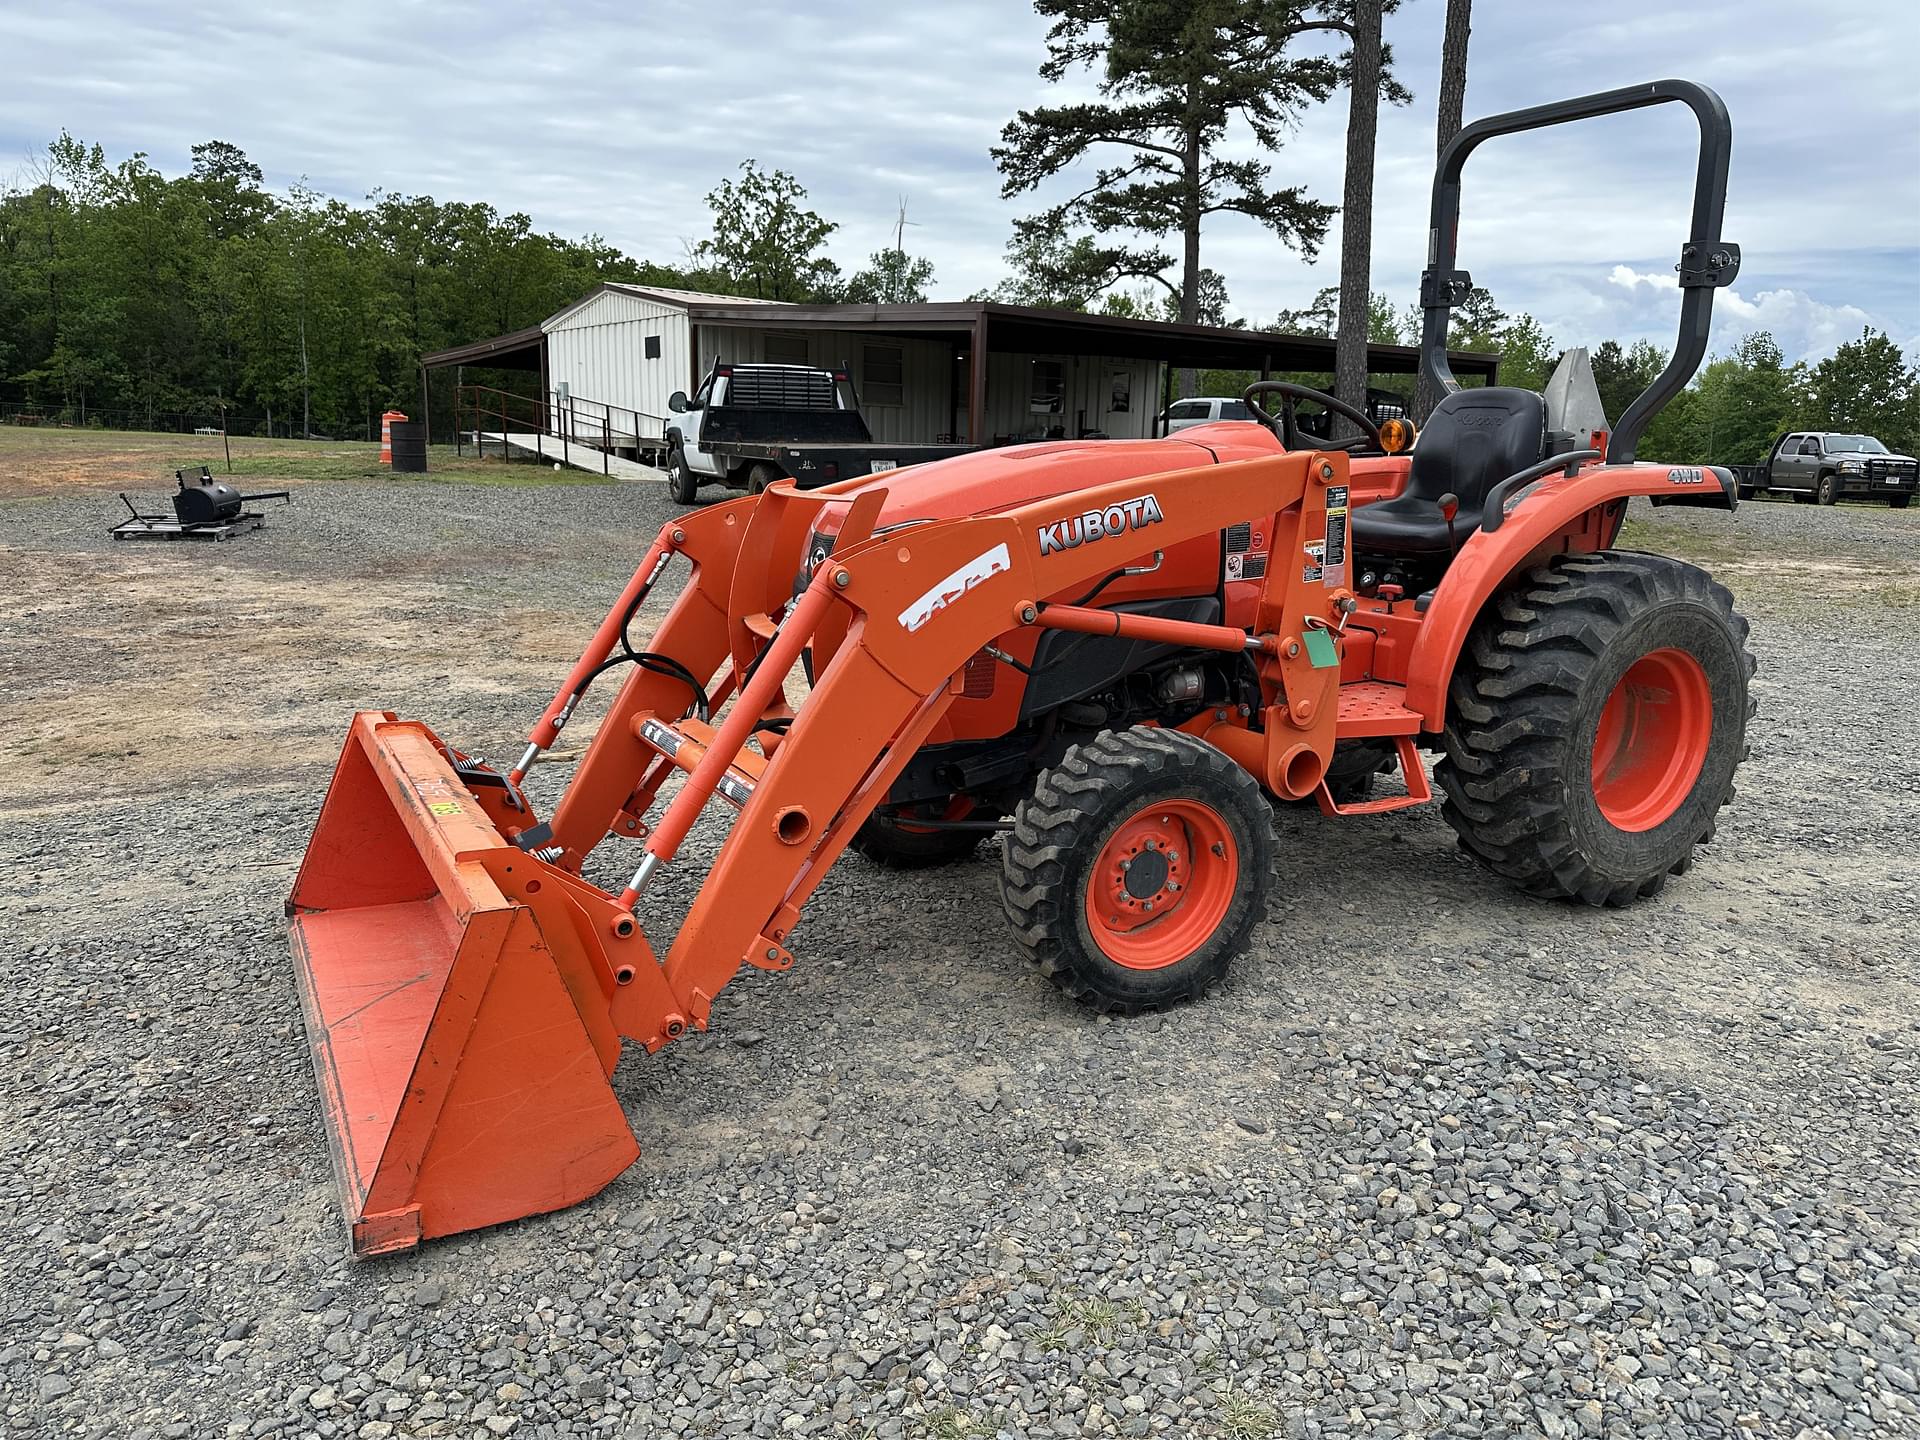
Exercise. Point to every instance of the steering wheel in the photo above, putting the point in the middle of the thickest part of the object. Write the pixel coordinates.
(1289, 430)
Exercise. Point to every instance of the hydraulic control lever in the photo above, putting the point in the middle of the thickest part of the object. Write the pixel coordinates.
(1450, 507)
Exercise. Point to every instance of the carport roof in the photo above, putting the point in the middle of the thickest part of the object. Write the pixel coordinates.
(1032, 330)
(519, 351)
(1022, 329)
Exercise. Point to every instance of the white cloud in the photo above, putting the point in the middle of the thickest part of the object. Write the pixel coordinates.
(1804, 327)
(609, 117)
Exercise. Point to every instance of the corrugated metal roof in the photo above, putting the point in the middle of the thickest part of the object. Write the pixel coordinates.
(518, 351)
(689, 297)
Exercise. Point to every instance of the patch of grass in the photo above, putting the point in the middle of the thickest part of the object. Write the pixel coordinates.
(1094, 1316)
(949, 1422)
(363, 463)
(1244, 1418)
(1703, 547)
(41, 461)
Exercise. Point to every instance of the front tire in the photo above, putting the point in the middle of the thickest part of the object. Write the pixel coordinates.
(1899, 502)
(682, 484)
(1137, 869)
(1828, 492)
(1594, 723)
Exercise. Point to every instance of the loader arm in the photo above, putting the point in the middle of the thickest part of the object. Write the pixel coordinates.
(466, 989)
(917, 605)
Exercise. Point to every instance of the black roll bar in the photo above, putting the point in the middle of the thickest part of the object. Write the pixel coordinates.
(1706, 261)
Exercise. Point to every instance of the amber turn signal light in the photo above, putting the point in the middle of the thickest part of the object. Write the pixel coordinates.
(1396, 435)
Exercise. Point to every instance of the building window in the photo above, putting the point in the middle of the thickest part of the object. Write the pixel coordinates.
(652, 348)
(786, 349)
(1049, 386)
(883, 373)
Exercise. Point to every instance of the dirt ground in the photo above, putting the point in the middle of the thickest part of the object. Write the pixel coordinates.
(169, 715)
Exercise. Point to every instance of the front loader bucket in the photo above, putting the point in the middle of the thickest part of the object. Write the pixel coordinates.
(464, 1082)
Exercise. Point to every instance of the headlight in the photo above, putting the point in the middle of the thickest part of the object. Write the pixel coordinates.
(1851, 467)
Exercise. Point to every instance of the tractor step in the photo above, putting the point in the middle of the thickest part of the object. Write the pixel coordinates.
(1372, 709)
(1419, 788)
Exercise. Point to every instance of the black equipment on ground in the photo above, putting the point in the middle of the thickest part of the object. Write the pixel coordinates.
(203, 509)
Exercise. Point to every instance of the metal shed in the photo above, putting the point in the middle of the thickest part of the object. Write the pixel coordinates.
(973, 371)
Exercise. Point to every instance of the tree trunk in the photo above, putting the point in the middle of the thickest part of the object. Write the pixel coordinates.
(1453, 96)
(306, 392)
(1190, 253)
(1356, 215)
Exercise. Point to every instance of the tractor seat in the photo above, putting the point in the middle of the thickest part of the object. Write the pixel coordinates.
(1473, 440)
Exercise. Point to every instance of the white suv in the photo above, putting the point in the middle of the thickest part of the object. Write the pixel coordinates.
(1204, 410)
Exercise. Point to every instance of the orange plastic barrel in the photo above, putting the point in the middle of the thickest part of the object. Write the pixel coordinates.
(386, 435)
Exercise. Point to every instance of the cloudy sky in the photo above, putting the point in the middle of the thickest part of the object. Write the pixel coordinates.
(617, 119)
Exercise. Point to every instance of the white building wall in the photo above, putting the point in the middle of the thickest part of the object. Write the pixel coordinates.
(1086, 400)
(599, 351)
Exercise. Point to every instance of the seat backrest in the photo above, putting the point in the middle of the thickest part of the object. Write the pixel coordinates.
(1475, 439)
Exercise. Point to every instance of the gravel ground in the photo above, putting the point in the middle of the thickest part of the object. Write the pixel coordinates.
(1435, 1160)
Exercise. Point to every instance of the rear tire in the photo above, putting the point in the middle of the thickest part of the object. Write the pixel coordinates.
(1828, 492)
(761, 476)
(682, 484)
(1127, 825)
(1594, 724)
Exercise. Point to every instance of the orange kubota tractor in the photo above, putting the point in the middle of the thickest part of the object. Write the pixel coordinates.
(1118, 652)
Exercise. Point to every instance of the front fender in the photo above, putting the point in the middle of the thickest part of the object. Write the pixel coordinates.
(1581, 512)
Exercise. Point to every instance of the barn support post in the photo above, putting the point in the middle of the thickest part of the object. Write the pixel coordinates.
(977, 386)
(426, 405)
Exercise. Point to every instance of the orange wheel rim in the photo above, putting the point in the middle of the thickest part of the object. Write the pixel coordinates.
(1162, 884)
(1652, 740)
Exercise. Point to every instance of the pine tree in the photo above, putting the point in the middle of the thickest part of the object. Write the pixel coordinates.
(1173, 77)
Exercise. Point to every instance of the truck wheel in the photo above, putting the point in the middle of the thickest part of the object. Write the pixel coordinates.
(1138, 868)
(761, 476)
(682, 484)
(1829, 490)
(896, 842)
(1899, 502)
(1594, 723)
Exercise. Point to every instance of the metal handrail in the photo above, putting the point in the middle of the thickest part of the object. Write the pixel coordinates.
(479, 403)
(609, 413)
(569, 420)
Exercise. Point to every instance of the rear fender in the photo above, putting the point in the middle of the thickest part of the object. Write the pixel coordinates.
(1566, 514)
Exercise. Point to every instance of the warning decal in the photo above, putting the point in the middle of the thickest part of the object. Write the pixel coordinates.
(1316, 553)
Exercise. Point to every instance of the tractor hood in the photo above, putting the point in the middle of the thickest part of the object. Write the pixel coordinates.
(1016, 474)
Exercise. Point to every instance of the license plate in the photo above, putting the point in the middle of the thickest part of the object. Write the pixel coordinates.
(875, 467)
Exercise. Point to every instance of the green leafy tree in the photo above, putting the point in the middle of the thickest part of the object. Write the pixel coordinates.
(1621, 374)
(1527, 353)
(765, 241)
(892, 277)
(1867, 387)
(1178, 82)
